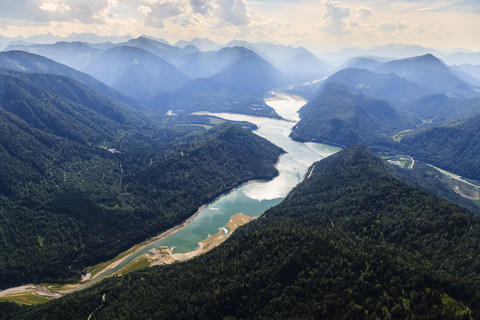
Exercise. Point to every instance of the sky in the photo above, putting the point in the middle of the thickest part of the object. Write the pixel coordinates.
(320, 24)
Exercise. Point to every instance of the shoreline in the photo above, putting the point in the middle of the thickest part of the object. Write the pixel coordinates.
(133, 250)
(98, 272)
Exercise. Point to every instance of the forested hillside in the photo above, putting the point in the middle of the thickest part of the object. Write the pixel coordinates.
(83, 178)
(350, 241)
(31, 63)
(337, 115)
(453, 147)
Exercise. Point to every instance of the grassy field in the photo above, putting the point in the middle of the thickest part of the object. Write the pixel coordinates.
(25, 298)
(138, 263)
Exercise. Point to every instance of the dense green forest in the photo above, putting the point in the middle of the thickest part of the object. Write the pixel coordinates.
(206, 94)
(351, 241)
(453, 147)
(339, 116)
(83, 177)
(425, 177)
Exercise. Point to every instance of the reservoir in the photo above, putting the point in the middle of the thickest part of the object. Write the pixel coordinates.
(252, 198)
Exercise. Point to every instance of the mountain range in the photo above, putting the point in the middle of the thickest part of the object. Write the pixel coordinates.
(91, 163)
(31, 63)
(151, 72)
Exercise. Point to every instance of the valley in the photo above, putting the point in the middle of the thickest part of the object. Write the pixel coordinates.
(250, 199)
(141, 179)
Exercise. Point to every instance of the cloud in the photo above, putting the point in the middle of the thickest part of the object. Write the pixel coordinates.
(364, 13)
(203, 7)
(192, 12)
(426, 9)
(54, 10)
(53, 7)
(157, 12)
(333, 20)
(145, 10)
(234, 12)
(391, 27)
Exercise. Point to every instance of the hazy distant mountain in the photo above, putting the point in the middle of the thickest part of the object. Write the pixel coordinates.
(135, 72)
(158, 48)
(73, 54)
(102, 45)
(469, 73)
(429, 72)
(462, 58)
(392, 51)
(207, 64)
(298, 63)
(440, 109)
(304, 67)
(32, 63)
(362, 63)
(250, 74)
(49, 38)
(204, 44)
(389, 87)
(341, 117)
(229, 80)
(205, 94)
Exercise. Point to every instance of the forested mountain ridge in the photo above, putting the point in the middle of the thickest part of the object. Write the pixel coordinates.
(32, 63)
(390, 87)
(63, 107)
(350, 241)
(453, 147)
(68, 202)
(337, 115)
(135, 72)
(160, 76)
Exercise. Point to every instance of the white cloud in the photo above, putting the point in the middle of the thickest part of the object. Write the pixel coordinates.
(145, 10)
(426, 9)
(54, 7)
(333, 20)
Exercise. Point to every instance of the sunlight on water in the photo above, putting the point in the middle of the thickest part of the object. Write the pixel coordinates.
(255, 198)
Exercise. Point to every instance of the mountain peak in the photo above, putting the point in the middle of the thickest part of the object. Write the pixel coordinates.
(428, 58)
(429, 72)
